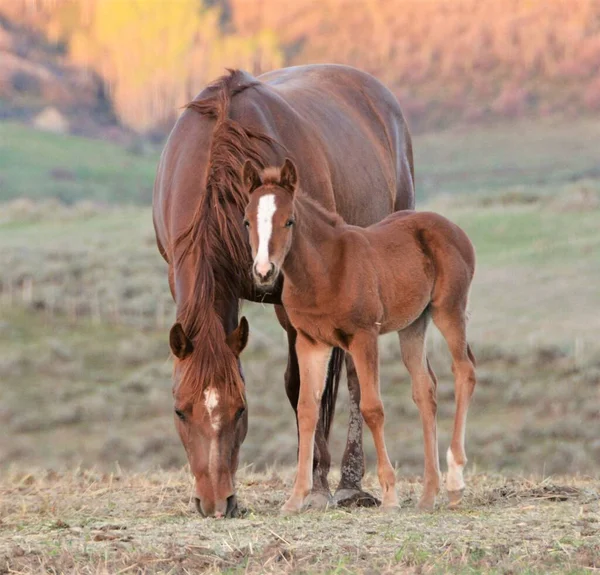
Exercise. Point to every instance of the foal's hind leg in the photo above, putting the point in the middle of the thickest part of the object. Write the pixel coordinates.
(451, 321)
(414, 356)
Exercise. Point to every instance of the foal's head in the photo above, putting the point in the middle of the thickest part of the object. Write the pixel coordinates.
(270, 217)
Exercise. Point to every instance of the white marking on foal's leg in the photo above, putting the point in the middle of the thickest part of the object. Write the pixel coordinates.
(266, 209)
(211, 400)
(454, 480)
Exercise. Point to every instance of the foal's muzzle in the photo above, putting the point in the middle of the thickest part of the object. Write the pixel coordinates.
(265, 277)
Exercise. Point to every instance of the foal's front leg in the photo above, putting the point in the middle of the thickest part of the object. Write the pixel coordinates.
(313, 359)
(365, 353)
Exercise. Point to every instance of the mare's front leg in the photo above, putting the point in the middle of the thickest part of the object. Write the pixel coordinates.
(349, 491)
(366, 357)
(313, 360)
(320, 496)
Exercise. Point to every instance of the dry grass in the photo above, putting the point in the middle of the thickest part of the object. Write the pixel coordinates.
(88, 522)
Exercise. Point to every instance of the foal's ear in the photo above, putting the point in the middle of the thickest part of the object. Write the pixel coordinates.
(289, 176)
(181, 346)
(238, 338)
(250, 177)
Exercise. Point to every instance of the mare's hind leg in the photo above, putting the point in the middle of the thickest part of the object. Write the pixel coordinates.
(349, 491)
(366, 357)
(320, 496)
(414, 356)
(451, 321)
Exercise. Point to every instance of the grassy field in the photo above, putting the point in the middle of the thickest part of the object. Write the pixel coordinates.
(89, 522)
(539, 157)
(40, 165)
(85, 400)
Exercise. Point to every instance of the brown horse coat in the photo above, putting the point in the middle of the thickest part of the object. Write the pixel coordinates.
(346, 133)
(343, 287)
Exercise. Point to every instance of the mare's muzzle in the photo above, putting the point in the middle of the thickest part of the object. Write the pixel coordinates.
(230, 506)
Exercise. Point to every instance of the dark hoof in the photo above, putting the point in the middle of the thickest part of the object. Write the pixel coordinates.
(318, 501)
(355, 498)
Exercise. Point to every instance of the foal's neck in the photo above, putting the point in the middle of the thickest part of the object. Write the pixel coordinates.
(315, 231)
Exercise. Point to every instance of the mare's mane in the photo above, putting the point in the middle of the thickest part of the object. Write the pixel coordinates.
(214, 243)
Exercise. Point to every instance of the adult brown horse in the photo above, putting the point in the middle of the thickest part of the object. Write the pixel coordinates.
(346, 133)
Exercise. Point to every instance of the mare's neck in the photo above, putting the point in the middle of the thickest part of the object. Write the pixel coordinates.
(315, 231)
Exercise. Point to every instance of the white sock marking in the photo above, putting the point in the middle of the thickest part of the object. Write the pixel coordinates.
(454, 480)
(266, 209)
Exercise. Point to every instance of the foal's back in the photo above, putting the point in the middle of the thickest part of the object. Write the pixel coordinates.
(406, 258)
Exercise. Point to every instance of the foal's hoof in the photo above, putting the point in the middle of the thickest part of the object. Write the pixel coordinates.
(318, 501)
(426, 504)
(455, 498)
(355, 498)
(290, 508)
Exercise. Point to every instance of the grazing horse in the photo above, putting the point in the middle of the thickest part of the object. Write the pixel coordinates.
(348, 138)
(343, 287)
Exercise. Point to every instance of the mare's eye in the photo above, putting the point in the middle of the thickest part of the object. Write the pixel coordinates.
(180, 414)
(239, 413)
(289, 223)
(247, 223)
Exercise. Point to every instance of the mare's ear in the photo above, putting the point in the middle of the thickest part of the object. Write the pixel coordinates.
(238, 338)
(181, 346)
(250, 177)
(289, 176)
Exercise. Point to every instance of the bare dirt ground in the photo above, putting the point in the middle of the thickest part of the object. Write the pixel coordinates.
(87, 522)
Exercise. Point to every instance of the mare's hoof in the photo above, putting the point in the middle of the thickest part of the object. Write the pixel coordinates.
(455, 498)
(318, 501)
(355, 498)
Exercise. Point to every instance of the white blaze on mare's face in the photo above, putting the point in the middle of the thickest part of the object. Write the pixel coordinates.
(266, 209)
(211, 400)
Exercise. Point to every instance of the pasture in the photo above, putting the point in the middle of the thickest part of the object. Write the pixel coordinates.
(92, 477)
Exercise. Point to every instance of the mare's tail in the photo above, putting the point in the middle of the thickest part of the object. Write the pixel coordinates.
(330, 392)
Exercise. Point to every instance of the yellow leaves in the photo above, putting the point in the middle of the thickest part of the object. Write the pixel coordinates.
(154, 55)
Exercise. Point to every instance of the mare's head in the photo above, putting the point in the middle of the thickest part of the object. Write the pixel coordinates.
(211, 418)
(270, 217)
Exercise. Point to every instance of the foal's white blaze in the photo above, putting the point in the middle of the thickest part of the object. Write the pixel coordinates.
(211, 400)
(266, 209)
(454, 481)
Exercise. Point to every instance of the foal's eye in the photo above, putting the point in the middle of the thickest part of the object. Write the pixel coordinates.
(239, 413)
(180, 414)
(289, 223)
(246, 223)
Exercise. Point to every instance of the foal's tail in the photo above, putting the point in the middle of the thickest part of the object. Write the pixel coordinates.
(330, 392)
(471, 356)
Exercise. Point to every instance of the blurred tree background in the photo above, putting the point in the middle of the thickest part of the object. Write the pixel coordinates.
(447, 61)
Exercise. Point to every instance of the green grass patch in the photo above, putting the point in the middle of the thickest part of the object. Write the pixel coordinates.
(35, 164)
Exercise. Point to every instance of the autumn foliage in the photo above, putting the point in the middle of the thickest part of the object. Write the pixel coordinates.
(446, 60)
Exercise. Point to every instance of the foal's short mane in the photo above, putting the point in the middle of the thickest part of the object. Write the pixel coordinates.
(215, 239)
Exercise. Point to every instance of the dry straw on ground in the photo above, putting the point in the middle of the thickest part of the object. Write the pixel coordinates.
(87, 522)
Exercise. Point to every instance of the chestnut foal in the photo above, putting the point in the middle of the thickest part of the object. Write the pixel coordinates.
(344, 286)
